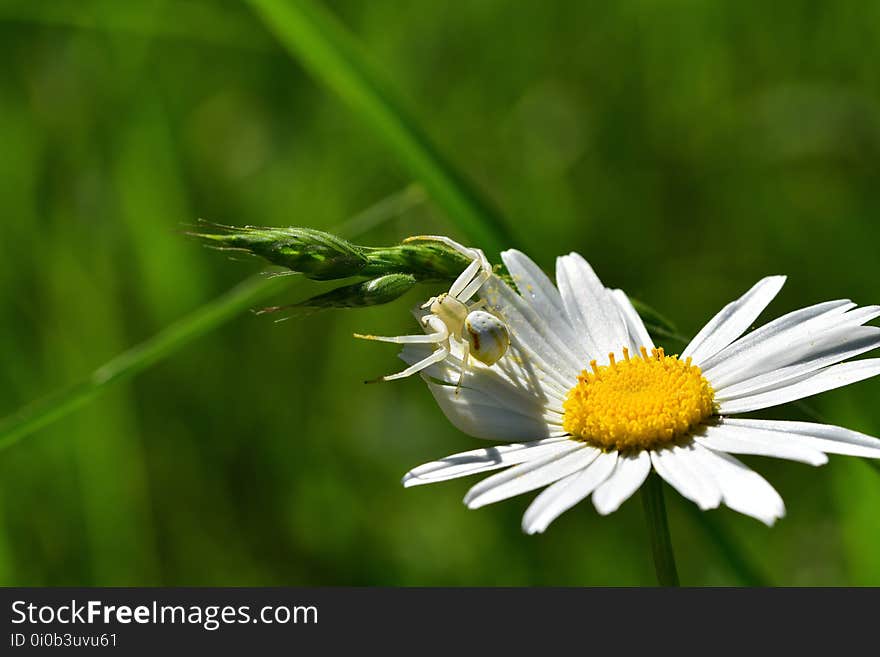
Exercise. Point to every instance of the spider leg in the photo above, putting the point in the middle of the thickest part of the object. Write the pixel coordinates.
(402, 339)
(474, 285)
(472, 253)
(464, 279)
(451, 243)
(439, 333)
(468, 282)
(435, 357)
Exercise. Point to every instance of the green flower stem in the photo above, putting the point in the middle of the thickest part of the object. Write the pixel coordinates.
(206, 318)
(332, 54)
(658, 528)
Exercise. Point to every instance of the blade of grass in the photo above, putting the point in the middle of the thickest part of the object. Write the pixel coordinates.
(334, 57)
(245, 296)
(59, 404)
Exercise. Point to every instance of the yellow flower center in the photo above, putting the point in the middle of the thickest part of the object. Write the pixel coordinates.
(638, 403)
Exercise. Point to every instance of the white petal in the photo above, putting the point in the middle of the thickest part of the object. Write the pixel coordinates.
(545, 349)
(565, 493)
(833, 347)
(530, 475)
(824, 437)
(539, 292)
(733, 320)
(569, 291)
(862, 315)
(745, 440)
(591, 307)
(815, 337)
(820, 315)
(537, 288)
(481, 460)
(629, 473)
(743, 489)
(684, 472)
(638, 334)
(519, 366)
(829, 378)
(475, 413)
(520, 372)
(514, 383)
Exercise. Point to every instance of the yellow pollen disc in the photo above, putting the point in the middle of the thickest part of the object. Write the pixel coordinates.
(637, 403)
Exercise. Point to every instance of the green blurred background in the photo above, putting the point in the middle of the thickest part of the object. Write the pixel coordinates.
(686, 148)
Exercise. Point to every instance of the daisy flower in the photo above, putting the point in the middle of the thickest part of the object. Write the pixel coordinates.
(587, 405)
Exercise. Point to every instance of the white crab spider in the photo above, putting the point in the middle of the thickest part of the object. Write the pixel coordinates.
(451, 316)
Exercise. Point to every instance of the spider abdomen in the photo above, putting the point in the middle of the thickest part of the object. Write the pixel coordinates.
(487, 336)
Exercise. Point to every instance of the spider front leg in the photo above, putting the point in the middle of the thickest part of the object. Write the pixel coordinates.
(439, 335)
(469, 281)
(474, 286)
(435, 357)
(465, 281)
(401, 339)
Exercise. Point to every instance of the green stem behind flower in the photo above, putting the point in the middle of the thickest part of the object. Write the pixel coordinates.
(658, 530)
(736, 558)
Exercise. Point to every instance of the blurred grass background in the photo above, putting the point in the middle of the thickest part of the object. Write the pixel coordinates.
(686, 148)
